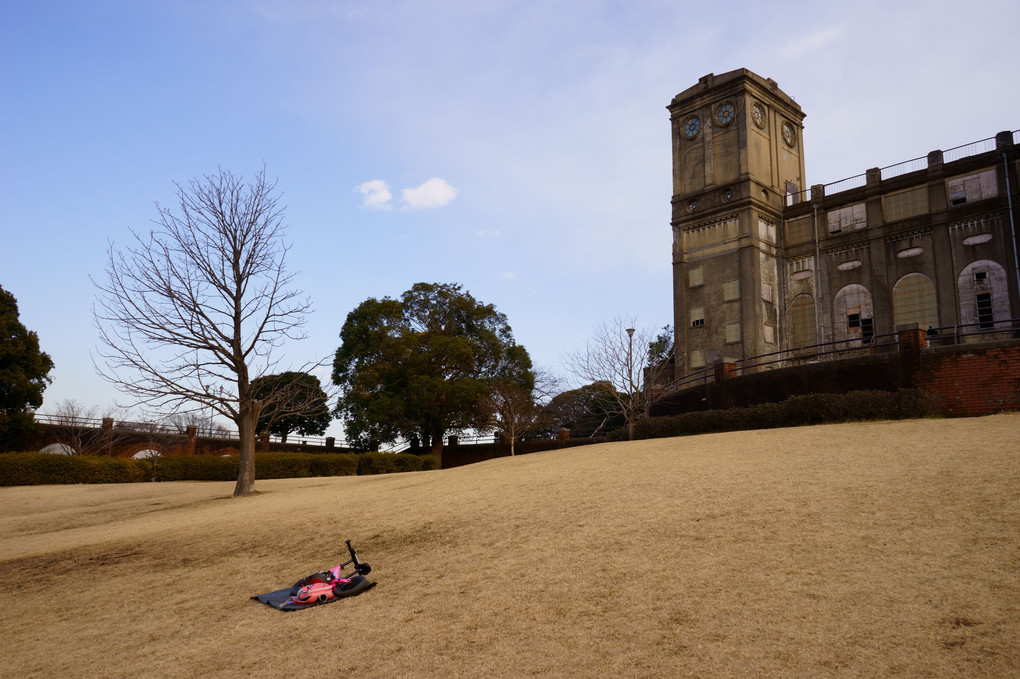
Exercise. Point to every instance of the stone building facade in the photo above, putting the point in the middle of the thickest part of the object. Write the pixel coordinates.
(762, 264)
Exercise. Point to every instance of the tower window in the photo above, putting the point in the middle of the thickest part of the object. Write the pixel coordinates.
(731, 290)
(733, 332)
(980, 276)
(697, 317)
(695, 277)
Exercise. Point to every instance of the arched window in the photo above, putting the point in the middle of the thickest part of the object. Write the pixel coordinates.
(802, 317)
(984, 298)
(914, 301)
(853, 315)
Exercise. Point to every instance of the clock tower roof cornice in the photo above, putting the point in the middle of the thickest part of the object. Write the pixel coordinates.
(735, 81)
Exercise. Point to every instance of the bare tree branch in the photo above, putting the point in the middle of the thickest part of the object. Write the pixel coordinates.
(618, 355)
(190, 313)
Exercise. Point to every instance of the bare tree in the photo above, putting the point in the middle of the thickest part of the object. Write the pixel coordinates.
(87, 430)
(191, 313)
(621, 357)
(204, 424)
(516, 411)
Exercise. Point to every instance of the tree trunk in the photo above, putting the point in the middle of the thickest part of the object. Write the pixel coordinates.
(630, 426)
(437, 448)
(246, 474)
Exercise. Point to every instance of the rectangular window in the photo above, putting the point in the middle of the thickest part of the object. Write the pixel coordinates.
(972, 188)
(849, 218)
(905, 204)
(766, 292)
(697, 358)
(697, 317)
(984, 310)
(731, 290)
(695, 277)
(733, 333)
(799, 230)
(867, 330)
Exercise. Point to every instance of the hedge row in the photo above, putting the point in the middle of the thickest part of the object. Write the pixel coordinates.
(796, 411)
(28, 469)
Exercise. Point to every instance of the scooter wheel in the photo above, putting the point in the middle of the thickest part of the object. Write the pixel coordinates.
(364, 568)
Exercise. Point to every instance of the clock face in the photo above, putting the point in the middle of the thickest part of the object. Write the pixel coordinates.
(758, 115)
(692, 127)
(692, 205)
(725, 114)
(789, 134)
(727, 195)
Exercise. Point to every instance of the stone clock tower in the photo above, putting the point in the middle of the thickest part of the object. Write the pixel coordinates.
(737, 152)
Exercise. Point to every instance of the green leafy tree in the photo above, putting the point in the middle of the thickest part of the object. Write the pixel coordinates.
(24, 374)
(423, 365)
(295, 402)
(586, 411)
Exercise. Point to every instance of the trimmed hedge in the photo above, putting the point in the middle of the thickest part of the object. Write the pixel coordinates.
(794, 412)
(28, 469)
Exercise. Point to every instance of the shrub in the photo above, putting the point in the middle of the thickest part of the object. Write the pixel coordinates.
(301, 465)
(388, 463)
(24, 469)
(33, 469)
(796, 411)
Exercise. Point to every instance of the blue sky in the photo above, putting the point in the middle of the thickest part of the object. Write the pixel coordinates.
(525, 146)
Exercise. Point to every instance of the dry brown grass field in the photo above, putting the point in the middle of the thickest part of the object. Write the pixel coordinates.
(888, 549)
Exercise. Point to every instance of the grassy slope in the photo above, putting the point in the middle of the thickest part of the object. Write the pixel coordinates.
(879, 549)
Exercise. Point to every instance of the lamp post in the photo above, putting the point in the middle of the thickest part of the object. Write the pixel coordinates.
(630, 383)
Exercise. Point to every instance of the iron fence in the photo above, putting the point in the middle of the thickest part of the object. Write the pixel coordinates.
(991, 331)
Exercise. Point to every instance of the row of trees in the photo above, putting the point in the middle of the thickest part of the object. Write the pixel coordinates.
(192, 315)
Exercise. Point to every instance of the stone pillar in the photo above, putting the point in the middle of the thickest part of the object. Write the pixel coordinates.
(911, 340)
(563, 435)
(330, 443)
(192, 432)
(452, 442)
(108, 436)
(725, 371)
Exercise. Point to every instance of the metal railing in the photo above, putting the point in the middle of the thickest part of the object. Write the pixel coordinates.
(824, 351)
(973, 333)
(163, 429)
(948, 156)
(855, 182)
(906, 167)
(972, 149)
(970, 333)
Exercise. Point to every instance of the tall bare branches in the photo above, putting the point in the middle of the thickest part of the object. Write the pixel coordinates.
(191, 312)
(619, 356)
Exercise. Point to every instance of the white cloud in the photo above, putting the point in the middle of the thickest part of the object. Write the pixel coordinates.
(377, 194)
(433, 193)
(507, 275)
(488, 233)
(812, 42)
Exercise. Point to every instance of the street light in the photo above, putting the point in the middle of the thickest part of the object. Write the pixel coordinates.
(630, 381)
